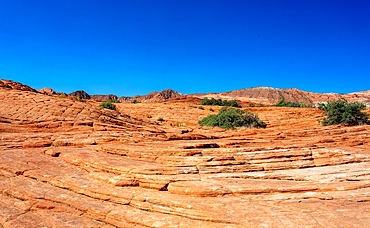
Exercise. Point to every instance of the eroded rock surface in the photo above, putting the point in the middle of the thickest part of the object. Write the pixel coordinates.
(65, 163)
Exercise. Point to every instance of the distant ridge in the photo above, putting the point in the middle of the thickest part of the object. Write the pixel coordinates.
(154, 96)
(258, 95)
(270, 95)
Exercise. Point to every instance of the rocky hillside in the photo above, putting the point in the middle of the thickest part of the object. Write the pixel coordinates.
(8, 84)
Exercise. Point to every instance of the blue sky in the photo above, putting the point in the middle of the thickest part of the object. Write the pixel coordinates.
(129, 47)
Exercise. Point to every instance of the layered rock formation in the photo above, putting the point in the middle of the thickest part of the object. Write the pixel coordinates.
(65, 163)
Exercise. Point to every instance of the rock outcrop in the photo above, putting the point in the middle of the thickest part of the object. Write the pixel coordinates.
(47, 91)
(8, 84)
(80, 94)
(66, 163)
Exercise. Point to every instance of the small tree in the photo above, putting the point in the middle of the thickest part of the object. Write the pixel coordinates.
(344, 112)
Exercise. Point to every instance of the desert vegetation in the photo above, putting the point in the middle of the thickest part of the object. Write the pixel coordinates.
(108, 105)
(344, 112)
(231, 118)
(220, 102)
(283, 103)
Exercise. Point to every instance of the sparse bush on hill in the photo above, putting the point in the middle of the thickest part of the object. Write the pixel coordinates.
(230, 118)
(219, 102)
(283, 103)
(108, 105)
(344, 112)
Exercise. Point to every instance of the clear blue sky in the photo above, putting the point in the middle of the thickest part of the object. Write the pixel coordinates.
(130, 47)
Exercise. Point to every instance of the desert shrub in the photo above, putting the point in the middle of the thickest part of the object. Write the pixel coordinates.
(160, 119)
(219, 102)
(252, 105)
(211, 109)
(344, 112)
(230, 118)
(115, 101)
(231, 103)
(201, 107)
(108, 105)
(212, 101)
(135, 101)
(283, 103)
(302, 104)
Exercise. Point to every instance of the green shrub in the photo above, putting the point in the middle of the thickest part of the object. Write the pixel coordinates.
(230, 118)
(252, 105)
(115, 101)
(219, 102)
(344, 112)
(211, 109)
(201, 107)
(108, 105)
(302, 104)
(283, 103)
(135, 101)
